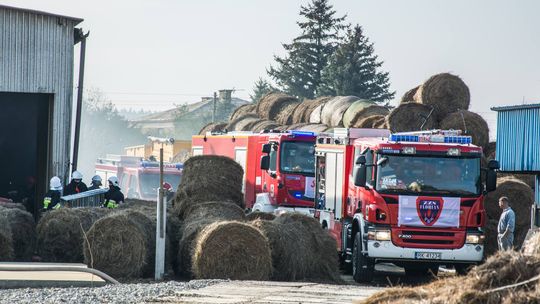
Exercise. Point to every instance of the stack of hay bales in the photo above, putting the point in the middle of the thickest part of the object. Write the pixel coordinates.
(492, 282)
(214, 243)
(60, 233)
(243, 110)
(301, 249)
(272, 104)
(213, 127)
(243, 122)
(411, 117)
(23, 232)
(302, 113)
(334, 109)
(470, 123)
(360, 110)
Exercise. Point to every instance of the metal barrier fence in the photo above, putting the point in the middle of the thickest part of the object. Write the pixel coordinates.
(91, 198)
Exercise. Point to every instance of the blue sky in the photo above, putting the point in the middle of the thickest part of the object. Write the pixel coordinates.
(153, 53)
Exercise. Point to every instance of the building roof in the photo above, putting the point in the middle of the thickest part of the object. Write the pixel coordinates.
(517, 107)
(36, 12)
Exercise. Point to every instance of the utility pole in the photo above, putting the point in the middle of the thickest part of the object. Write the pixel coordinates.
(80, 36)
(214, 110)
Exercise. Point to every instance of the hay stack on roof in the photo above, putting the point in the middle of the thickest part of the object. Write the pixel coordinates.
(410, 117)
(271, 105)
(470, 123)
(445, 92)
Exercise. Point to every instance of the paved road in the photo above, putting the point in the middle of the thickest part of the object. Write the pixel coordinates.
(272, 292)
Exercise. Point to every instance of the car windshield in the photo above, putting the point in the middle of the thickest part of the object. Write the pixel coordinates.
(297, 157)
(150, 182)
(435, 175)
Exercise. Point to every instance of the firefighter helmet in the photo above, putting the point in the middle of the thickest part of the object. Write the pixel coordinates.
(113, 180)
(167, 186)
(96, 178)
(55, 183)
(76, 175)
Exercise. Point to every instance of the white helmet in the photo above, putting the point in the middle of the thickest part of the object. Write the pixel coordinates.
(113, 180)
(96, 178)
(55, 183)
(76, 175)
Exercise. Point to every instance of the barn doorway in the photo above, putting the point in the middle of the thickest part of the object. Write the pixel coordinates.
(24, 147)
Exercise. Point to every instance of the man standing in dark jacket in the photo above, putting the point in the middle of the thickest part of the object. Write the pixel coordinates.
(52, 198)
(76, 185)
(114, 196)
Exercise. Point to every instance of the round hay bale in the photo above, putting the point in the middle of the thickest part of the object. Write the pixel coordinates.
(316, 114)
(232, 250)
(303, 112)
(445, 92)
(249, 108)
(12, 205)
(520, 195)
(361, 109)
(263, 125)
(332, 113)
(470, 123)
(409, 95)
(532, 245)
(259, 215)
(210, 178)
(23, 232)
(213, 127)
(122, 244)
(6, 240)
(369, 121)
(490, 149)
(314, 128)
(285, 115)
(297, 126)
(241, 122)
(271, 104)
(381, 123)
(291, 233)
(60, 233)
(528, 179)
(490, 242)
(195, 217)
(410, 117)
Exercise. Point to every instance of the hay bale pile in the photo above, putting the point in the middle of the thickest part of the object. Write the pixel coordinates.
(213, 127)
(361, 109)
(60, 233)
(334, 109)
(445, 92)
(242, 122)
(242, 110)
(23, 232)
(470, 123)
(302, 113)
(410, 117)
(409, 95)
(122, 244)
(6, 240)
(292, 233)
(503, 269)
(272, 104)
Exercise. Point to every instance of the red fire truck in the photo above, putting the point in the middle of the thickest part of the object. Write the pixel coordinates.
(413, 199)
(138, 178)
(279, 168)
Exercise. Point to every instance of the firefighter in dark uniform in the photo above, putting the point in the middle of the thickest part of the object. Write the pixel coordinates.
(114, 196)
(52, 198)
(76, 185)
(96, 183)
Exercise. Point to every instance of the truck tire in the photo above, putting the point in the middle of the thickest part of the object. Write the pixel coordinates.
(362, 266)
(414, 271)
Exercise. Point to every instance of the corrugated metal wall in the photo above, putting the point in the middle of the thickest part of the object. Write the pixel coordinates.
(36, 56)
(518, 139)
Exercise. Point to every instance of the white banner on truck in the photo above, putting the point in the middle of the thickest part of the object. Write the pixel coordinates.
(425, 211)
(310, 187)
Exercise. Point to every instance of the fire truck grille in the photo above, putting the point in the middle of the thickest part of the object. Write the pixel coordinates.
(432, 233)
(411, 241)
(428, 238)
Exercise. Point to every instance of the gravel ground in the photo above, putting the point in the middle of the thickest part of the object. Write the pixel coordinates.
(123, 293)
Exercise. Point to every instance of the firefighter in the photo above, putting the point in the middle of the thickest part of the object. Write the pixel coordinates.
(76, 185)
(96, 183)
(169, 193)
(52, 198)
(114, 196)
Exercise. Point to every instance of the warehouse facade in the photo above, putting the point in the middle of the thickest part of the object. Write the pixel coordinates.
(36, 99)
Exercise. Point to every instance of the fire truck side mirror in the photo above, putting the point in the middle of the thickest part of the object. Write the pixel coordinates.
(360, 175)
(265, 162)
(491, 180)
(266, 148)
(360, 160)
(493, 164)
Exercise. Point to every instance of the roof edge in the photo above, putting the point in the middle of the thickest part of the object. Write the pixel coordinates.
(37, 12)
(516, 107)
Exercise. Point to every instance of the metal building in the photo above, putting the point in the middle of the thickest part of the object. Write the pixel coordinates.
(518, 141)
(36, 98)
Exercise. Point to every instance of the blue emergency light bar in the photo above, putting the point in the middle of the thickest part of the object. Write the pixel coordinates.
(435, 138)
(153, 164)
(302, 133)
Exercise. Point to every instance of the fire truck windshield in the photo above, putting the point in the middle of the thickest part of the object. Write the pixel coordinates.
(150, 182)
(297, 157)
(429, 175)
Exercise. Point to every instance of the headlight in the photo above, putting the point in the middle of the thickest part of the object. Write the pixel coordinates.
(379, 235)
(474, 239)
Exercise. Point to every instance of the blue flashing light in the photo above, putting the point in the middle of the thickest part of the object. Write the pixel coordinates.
(458, 140)
(435, 138)
(298, 194)
(407, 138)
(302, 133)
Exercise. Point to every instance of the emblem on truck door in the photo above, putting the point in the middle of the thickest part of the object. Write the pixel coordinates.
(429, 209)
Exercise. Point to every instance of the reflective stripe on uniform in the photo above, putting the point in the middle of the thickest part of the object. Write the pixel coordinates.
(111, 204)
(46, 202)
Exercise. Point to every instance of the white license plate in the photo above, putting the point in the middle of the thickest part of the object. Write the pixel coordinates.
(427, 255)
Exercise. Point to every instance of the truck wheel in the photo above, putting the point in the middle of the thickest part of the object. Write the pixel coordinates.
(414, 271)
(362, 266)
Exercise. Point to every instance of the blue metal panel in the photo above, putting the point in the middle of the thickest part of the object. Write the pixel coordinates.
(518, 138)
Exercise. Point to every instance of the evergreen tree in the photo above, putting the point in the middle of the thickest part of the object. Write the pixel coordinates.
(261, 88)
(354, 69)
(299, 72)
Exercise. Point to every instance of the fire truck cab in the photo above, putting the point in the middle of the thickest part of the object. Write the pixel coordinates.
(138, 178)
(413, 199)
(279, 167)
